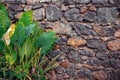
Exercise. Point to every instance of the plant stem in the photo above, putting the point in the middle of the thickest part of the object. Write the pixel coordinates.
(28, 77)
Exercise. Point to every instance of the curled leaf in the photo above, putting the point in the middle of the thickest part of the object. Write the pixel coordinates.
(8, 34)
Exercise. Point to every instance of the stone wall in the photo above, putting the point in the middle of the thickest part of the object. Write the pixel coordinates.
(88, 35)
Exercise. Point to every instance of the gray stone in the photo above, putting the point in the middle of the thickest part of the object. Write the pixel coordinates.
(15, 1)
(39, 14)
(74, 57)
(106, 32)
(94, 62)
(72, 14)
(114, 63)
(53, 54)
(53, 13)
(60, 70)
(83, 29)
(101, 55)
(107, 15)
(37, 5)
(115, 2)
(16, 8)
(86, 53)
(71, 72)
(96, 44)
(104, 2)
(85, 73)
(45, 0)
(90, 16)
(83, 1)
(67, 2)
(28, 8)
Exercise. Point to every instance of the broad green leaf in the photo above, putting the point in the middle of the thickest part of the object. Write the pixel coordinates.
(29, 29)
(19, 36)
(26, 49)
(11, 58)
(37, 31)
(46, 41)
(27, 18)
(4, 23)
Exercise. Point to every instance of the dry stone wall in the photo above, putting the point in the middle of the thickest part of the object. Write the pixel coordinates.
(88, 35)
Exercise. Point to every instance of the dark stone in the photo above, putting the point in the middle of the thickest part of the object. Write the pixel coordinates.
(85, 73)
(90, 16)
(114, 63)
(101, 55)
(106, 63)
(54, 53)
(53, 13)
(107, 15)
(16, 8)
(115, 54)
(72, 14)
(83, 29)
(83, 1)
(11, 14)
(96, 44)
(39, 14)
(114, 75)
(103, 2)
(65, 49)
(94, 62)
(61, 41)
(86, 53)
(15, 1)
(71, 72)
(105, 32)
(75, 66)
(74, 57)
(67, 2)
(60, 70)
(115, 2)
(37, 5)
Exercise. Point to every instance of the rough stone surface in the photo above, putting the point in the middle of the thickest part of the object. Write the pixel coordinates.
(83, 1)
(104, 2)
(87, 35)
(72, 14)
(90, 17)
(53, 13)
(117, 34)
(114, 45)
(96, 44)
(39, 14)
(83, 29)
(100, 75)
(76, 41)
(62, 28)
(107, 14)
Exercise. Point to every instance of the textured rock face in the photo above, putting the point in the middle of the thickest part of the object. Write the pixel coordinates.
(114, 45)
(88, 33)
(96, 44)
(72, 14)
(106, 14)
(39, 14)
(53, 13)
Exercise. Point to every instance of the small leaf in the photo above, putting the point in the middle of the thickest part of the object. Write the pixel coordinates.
(26, 49)
(4, 23)
(8, 34)
(19, 36)
(29, 29)
(11, 58)
(27, 18)
(2, 46)
(46, 41)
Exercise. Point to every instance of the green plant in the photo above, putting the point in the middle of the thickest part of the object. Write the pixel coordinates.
(23, 47)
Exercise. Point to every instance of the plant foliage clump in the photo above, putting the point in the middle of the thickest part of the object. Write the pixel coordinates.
(23, 47)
